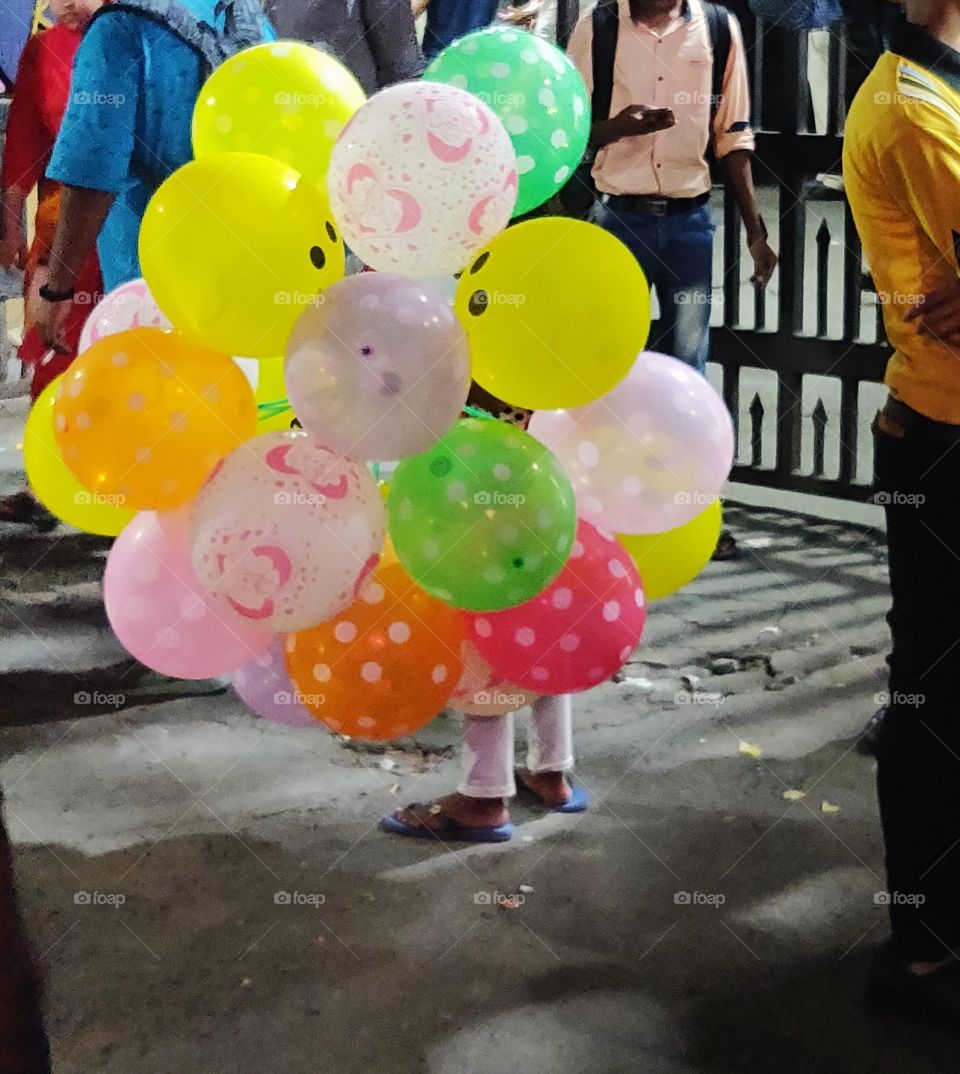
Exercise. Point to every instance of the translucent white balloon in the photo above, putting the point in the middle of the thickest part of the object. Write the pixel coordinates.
(285, 531)
(649, 455)
(380, 369)
(422, 177)
(128, 306)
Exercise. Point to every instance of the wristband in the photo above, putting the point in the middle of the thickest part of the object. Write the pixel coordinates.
(49, 295)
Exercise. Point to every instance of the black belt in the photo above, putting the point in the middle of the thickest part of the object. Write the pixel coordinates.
(654, 204)
(896, 418)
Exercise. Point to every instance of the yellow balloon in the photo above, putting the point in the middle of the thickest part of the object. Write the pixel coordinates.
(53, 482)
(271, 391)
(667, 561)
(283, 99)
(271, 386)
(556, 312)
(235, 247)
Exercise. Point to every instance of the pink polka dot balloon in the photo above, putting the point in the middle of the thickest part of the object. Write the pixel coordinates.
(578, 631)
(285, 531)
(159, 610)
(421, 177)
(131, 305)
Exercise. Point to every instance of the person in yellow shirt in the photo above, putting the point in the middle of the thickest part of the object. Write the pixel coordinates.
(901, 170)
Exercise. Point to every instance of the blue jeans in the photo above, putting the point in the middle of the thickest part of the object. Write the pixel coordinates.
(676, 255)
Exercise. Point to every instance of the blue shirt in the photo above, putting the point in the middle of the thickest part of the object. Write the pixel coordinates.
(449, 19)
(127, 125)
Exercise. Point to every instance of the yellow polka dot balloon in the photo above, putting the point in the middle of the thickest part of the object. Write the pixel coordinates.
(282, 99)
(145, 415)
(383, 668)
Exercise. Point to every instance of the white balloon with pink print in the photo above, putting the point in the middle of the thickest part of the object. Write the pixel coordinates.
(421, 177)
(285, 532)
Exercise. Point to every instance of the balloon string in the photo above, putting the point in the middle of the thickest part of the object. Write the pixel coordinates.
(375, 466)
(273, 408)
(478, 412)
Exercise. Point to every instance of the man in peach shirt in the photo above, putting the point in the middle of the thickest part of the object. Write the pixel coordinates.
(651, 167)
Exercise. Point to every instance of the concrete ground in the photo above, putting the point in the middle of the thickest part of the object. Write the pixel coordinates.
(210, 893)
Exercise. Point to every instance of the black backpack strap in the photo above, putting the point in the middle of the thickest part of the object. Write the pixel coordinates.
(242, 22)
(718, 26)
(606, 29)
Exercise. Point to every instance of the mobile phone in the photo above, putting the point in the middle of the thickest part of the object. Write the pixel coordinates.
(664, 115)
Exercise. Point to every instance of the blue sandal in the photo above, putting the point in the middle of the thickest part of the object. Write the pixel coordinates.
(578, 802)
(449, 831)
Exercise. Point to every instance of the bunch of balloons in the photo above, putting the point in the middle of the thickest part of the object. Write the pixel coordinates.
(485, 573)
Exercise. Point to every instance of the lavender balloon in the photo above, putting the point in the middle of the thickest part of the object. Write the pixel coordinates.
(649, 455)
(264, 686)
(379, 369)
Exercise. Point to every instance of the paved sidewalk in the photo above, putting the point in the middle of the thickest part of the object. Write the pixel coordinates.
(210, 893)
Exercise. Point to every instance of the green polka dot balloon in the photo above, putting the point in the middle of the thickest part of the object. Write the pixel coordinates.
(485, 519)
(537, 93)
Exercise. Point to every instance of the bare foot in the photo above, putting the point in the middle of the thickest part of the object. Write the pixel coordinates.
(470, 812)
(552, 787)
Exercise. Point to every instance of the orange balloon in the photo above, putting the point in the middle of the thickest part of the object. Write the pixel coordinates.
(146, 414)
(384, 667)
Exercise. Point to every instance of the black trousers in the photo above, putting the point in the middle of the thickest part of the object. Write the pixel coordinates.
(23, 1041)
(918, 472)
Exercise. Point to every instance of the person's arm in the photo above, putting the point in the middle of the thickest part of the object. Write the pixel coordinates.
(418, 7)
(923, 171)
(25, 156)
(734, 143)
(82, 213)
(633, 120)
(629, 122)
(739, 173)
(392, 36)
(92, 155)
(13, 244)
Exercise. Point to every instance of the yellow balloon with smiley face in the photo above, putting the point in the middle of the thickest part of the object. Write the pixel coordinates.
(234, 247)
(556, 312)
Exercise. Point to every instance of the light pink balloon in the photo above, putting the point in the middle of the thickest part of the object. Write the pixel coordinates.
(284, 531)
(380, 369)
(421, 177)
(159, 610)
(649, 455)
(131, 305)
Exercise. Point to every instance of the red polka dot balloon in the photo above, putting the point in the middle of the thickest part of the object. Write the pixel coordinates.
(383, 667)
(578, 631)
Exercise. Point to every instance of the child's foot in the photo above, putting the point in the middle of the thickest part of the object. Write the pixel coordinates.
(552, 788)
(459, 808)
(553, 791)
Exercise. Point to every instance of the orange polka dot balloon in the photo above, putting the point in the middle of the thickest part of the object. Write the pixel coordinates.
(383, 668)
(144, 416)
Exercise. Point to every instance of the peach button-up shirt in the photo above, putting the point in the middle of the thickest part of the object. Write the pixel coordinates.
(668, 69)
